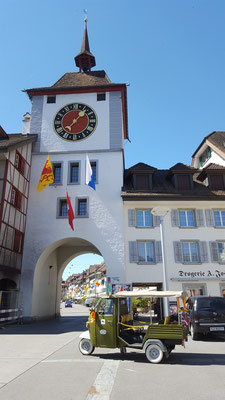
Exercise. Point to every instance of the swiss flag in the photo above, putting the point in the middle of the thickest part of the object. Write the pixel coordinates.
(70, 212)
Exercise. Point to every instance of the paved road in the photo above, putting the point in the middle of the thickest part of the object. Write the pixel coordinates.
(42, 361)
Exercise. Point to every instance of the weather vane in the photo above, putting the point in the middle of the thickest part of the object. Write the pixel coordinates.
(85, 13)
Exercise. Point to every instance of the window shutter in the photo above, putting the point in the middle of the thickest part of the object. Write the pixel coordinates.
(178, 254)
(155, 220)
(175, 220)
(203, 252)
(158, 252)
(199, 218)
(133, 252)
(214, 251)
(132, 218)
(209, 218)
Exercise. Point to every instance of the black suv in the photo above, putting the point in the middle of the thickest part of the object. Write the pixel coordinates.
(207, 315)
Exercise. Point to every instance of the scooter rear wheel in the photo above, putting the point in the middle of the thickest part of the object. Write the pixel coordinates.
(154, 353)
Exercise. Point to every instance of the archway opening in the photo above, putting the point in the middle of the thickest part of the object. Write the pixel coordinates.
(61, 259)
(83, 278)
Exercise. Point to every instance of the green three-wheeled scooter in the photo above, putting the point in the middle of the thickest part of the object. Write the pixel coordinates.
(112, 324)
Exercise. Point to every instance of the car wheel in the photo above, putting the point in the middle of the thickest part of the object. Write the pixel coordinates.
(194, 334)
(154, 353)
(86, 347)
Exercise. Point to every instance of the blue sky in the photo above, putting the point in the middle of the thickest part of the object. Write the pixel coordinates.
(170, 51)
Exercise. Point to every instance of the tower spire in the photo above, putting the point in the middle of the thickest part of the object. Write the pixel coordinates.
(85, 59)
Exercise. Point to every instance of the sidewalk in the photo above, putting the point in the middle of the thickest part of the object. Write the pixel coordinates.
(23, 346)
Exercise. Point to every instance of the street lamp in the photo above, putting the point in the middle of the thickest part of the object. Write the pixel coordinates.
(161, 212)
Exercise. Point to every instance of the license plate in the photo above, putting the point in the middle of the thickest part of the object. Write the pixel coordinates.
(217, 328)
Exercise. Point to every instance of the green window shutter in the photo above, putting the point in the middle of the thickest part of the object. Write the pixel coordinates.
(200, 161)
(203, 252)
(133, 252)
(158, 252)
(132, 218)
(214, 251)
(178, 254)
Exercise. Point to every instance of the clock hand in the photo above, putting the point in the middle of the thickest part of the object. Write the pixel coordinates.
(81, 114)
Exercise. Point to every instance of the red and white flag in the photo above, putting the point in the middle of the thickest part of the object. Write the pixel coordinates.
(70, 212)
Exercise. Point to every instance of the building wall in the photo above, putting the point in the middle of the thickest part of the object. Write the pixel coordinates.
(13, 216)
(103, 227)
(209, 274)
(107, 135)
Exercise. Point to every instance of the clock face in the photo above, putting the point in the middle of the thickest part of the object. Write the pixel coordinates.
(75, 122)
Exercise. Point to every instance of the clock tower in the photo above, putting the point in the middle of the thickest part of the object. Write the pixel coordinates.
(82, 113)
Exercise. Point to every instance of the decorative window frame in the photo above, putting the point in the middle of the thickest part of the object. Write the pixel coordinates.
(134, 253)
(70, 163)
(202, 252)
(97, 169)
(58, 208)
(77, 200)
(198, 218)
(54, 163)
(132, 219)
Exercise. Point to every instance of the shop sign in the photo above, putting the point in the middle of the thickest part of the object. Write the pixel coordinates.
(196, 275)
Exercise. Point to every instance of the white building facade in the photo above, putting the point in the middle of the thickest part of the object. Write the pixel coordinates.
(193, 228)
(82, 114)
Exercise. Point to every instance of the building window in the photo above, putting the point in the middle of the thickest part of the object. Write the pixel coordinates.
(187, 219)
(144, 219)
(20, 163)
(219, 217)
(18, 240)
(190, 252)
(57, 171)
(51, 99)
(216, 182)
(82, 207)
(94, 169)
(146, 252)
(205, 156)
(221, 251)
(74, 172)
(183, 182)
(62, 208)
(16, 198)
(142, 182)
(100, 96)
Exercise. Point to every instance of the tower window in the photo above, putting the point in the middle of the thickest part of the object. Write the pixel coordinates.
(62, 209)
(82, 207)
(51, 99)
(100, 96)
(94, 169)
(74, 173)
(57, 171)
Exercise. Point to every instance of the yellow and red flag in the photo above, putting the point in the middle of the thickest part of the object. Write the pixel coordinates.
(47, 176)
(97, 284)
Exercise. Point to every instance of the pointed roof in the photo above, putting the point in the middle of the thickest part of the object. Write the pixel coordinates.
(141, 167)
(85, 59)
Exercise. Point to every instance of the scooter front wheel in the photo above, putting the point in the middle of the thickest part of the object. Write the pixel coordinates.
(86, 347)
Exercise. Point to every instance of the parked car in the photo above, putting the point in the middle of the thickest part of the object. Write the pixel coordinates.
(89, 301)
(207, 315)
(68, 303)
